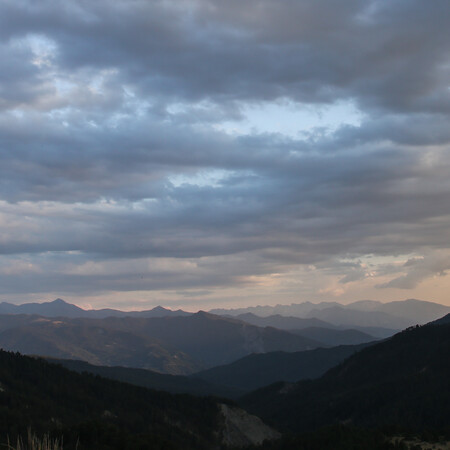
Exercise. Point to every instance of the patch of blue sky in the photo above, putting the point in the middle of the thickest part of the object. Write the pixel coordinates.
(292, 119)
(203, 178)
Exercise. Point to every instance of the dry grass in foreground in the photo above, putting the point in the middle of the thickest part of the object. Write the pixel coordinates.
(35, 443)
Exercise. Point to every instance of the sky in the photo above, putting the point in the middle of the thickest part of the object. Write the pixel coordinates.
(210, 153)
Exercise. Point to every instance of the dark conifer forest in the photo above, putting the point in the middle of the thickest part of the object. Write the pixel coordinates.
(94, 412)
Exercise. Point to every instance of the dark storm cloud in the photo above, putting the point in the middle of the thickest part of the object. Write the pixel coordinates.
(113, 111)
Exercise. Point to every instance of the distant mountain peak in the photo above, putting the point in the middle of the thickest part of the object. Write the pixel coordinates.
(61, 308)
(60, 301)
(202, 313)
(160, 308)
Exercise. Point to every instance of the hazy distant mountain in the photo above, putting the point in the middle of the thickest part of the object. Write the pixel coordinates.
(214, 339)
(416, 311)
(347, 317)
(176, 384)
(92, 342)
(376, 332)
(392, 315)
(366, 313)
(176, 345)
(157, 311)
(60, 308)
(57, 308)
(332, 337)
(294, 309)
(257, 370)
(364, 305)
(312, 328)
(283, 322)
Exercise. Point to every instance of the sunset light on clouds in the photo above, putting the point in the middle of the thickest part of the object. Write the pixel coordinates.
(202, 153)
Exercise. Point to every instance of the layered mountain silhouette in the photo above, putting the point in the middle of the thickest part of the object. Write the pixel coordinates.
(366, 316)
(332, 337)
(181, 343)
(175, 345)
(257, 370)
(399, 385)
(367, 313)
(319, 330)
(60, 308)
(282, 322)
(232, 380)
(402, 382)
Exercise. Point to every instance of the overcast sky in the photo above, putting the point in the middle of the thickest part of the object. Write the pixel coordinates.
(202, 153)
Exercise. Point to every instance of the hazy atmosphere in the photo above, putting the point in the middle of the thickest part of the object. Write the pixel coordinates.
(204, 153)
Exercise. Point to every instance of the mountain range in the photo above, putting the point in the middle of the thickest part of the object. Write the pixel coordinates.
(395, 315)
(351, 396)
(316, 329)
(181, 343)
(60, 308)
(366, 315)
(177, 345)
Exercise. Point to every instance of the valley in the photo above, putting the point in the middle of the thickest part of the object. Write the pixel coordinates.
(282, 369)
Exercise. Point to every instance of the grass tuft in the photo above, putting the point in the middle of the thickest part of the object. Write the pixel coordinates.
(35, 443)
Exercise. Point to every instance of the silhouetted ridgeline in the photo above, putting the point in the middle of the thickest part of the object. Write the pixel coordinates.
(442, 320)
(60, 308)
(176, 384)
(258, 370)
(402, 383)
(365, 314)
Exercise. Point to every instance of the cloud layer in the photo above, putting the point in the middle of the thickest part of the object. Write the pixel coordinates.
(120, 171)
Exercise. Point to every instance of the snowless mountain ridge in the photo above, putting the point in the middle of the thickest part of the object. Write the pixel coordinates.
(365, 313)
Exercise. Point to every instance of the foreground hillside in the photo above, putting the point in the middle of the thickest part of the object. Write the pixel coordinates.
(402, 383)
(96, 413)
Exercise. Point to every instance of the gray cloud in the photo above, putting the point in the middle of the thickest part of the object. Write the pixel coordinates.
(419, 269)
(384, 55)
(112, 119)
